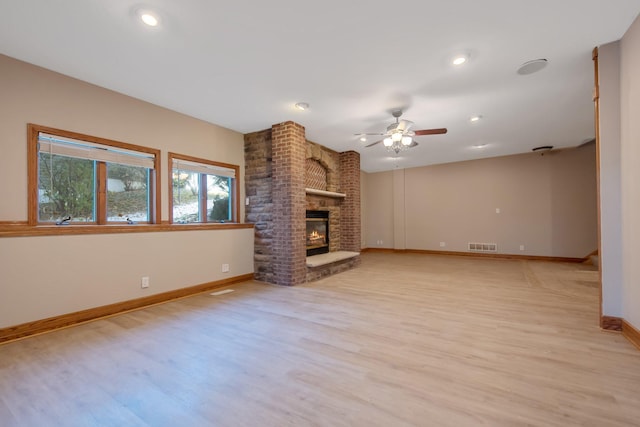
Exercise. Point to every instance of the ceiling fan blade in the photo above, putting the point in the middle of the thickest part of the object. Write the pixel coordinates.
(372, 144)
(431, 131)
(362, 133)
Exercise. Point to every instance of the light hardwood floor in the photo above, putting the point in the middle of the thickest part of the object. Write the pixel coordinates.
(403, 340)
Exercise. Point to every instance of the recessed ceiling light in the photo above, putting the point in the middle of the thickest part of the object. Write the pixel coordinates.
(302, 106)
(149, 19)
(479, 146)
(459, 60)
(474, 119)
(363, 138)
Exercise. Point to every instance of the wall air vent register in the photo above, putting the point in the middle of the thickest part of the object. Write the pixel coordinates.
(483, 247)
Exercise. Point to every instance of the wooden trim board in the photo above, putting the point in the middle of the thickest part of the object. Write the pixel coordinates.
(364, 250)
(478, 255)
(631, 333)
(24, 330)
(610, 323)
(21, 230)
(596, 120)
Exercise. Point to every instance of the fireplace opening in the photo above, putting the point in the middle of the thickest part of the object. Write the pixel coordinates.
(317, 235)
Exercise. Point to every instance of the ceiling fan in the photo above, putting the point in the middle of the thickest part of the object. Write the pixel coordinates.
(399, 135)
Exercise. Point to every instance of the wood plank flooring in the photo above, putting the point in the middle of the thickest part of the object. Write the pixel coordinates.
(403, 340)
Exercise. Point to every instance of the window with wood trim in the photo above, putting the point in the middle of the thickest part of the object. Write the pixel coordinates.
(202, 191)
(82, 179)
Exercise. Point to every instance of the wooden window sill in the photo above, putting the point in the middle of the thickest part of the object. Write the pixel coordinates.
(23, 230)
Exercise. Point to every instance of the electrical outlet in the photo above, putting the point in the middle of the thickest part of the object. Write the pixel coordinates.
(225, 268)
(497, 210)
(522, 247)
(144, 282)
(443, 244)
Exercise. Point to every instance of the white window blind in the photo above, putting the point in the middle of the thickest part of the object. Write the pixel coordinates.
(90, 151)
(187, 166)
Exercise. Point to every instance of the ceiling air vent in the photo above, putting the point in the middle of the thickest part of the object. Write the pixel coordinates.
(531, 67)
(542, 149)
(483, 247)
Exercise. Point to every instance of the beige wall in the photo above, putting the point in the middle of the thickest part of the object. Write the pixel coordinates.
(378, 215)
(363, 208)
(46, 276)
(610, 179)
(547, 203)
(34, 95)
(630, 170)
(399, 208)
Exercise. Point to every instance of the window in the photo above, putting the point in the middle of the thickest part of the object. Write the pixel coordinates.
(202, 190)
(80, 179)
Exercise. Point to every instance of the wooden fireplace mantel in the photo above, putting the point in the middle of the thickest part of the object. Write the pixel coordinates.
(325, 193)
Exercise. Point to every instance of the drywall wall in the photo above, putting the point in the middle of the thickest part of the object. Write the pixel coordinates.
(546, 203)
(46, 276)
(630, 170)
(379, 210)
(34, 95)
(363, 208)
(399, 207)
(610, 179)
(51, 275)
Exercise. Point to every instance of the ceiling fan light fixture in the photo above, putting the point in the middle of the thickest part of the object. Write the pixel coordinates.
(399, 136)
(302, 106)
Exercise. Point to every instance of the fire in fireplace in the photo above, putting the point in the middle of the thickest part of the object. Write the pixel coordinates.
(317, 235)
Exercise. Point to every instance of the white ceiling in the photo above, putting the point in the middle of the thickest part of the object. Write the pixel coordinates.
(243, 64)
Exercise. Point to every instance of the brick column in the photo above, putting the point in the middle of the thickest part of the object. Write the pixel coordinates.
(289, 203)
(259, 190)
(350, 211)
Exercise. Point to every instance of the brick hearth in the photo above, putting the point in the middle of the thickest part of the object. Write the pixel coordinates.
(276, 161)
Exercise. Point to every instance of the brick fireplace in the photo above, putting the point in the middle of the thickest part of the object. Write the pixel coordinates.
(317, 235)
(286, 176)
